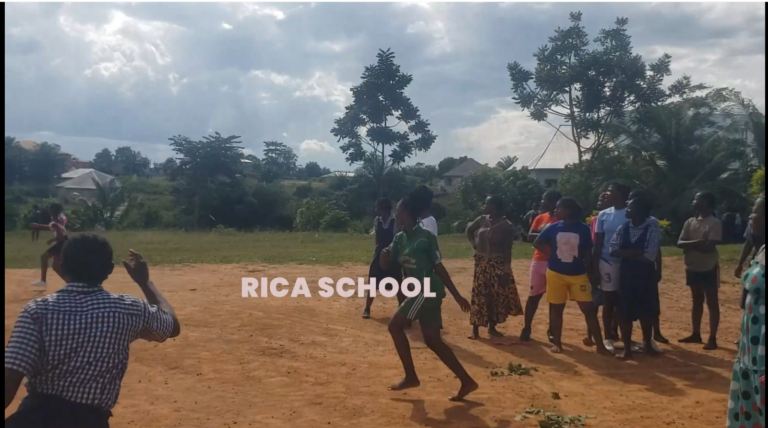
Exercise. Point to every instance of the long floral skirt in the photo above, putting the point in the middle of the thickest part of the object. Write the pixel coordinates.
(494, 293)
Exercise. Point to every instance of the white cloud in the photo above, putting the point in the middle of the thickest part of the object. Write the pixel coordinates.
(506, 133)
(323, 86)
(436, 30)
(226, 26)
(309, 147)
(249, 9)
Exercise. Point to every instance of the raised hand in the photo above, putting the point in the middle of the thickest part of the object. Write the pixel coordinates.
(137, 268)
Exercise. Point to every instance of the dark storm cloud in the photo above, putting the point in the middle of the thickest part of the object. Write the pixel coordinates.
(89, 76)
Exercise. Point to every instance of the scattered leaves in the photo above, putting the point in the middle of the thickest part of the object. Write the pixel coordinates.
(554, 420)
(555, 395)
(514, 370)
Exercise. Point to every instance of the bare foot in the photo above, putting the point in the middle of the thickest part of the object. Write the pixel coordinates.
(711, 345)
(602, 350)
(626, 354)
(466, 389)
(405, 384)
(588, 341)
(495, 333)
(649, 350)
(694, 338)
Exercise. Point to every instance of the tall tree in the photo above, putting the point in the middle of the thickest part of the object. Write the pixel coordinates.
(506, 162)
(205, 166)
(382, 126)
(130, 162)
(312, 170)
(590, 88)
(104, 161)
(15, 161)
(449, 163)
(280, 158)
(46, 163)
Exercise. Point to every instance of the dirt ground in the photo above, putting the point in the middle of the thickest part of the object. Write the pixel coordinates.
(316, 363)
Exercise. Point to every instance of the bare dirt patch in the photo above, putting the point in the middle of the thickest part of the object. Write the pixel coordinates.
(316, 363)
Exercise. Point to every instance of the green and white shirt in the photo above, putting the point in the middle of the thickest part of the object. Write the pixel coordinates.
(418, 253)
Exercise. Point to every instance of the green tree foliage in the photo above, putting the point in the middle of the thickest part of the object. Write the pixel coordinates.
(16, 159)
(310, 170)
(506, 162)
(757, 183)
(516, 187)
(424, 174)
(109, 209)
(382, 127)
(590, 88)
(335, 221)
(311, 213)
(448, 164)
(46, 164)
(279, 159)
(130, 162)
(674, 150)
(104, 161)
(206, 168)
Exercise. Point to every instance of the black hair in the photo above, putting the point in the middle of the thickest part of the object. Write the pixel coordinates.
(56, 208)
(87, 259)
(552, 196)
(575, 212)
(384, 204)
(497, 202)
(623, 190)
(422, 195)
(709, 199)
(643, 205)
(641, 193)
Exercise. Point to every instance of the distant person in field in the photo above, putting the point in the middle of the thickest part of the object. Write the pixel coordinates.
(637, 244)
(54, 251)
(73, 345)
(385, 228)
(657, 336)
(416, 250)
(494, 293)
(38, 217)
(531, 215)
(699, 240)
(538, 271)
(606, 267)
(569, 246)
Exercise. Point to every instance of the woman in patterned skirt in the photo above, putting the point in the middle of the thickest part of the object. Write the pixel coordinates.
(746, 406)
(494, 294)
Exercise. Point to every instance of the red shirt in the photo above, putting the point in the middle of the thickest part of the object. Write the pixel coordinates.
(539, 223)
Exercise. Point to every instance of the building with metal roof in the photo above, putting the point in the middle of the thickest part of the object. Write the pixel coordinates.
(83, 185)
(452, 178)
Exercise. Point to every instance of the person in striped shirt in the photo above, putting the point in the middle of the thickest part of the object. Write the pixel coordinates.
(72, 346)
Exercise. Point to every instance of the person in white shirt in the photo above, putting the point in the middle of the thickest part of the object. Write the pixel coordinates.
(426, 220)
(605, 266)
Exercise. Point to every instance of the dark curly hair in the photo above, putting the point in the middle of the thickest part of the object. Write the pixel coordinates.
(87, 259)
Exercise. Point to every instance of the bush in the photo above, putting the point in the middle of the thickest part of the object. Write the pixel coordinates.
(303, 191)
(362, 226)
(516, 187)
(311, 213)
(12, 215)
(757, 183)
(335, 221)
(151, 217)
(438, 211)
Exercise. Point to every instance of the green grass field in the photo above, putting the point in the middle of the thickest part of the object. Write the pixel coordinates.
(166, 247)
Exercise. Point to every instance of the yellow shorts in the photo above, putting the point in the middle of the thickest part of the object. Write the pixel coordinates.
(561, 287)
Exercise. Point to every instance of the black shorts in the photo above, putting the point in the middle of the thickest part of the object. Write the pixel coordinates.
(708, 279)
(55, 250)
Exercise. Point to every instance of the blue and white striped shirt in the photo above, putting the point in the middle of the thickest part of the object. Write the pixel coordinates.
(74, 343)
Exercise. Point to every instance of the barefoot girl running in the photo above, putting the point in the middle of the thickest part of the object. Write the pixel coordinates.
(416, 250)
(385, 227)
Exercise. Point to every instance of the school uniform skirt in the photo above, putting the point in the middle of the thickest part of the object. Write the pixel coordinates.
(638, 290)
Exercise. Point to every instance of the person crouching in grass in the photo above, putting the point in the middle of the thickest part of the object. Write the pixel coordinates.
(72, 345)
(569, 246)
(636, 244)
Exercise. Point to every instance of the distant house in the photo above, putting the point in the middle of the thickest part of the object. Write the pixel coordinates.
(338, 174)
(549, 158)
(452, 178)
(82, 183)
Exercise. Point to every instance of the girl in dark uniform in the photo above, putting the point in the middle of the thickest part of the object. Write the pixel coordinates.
(385, 228)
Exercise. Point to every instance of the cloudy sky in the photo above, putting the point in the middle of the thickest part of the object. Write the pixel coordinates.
(88, 76)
